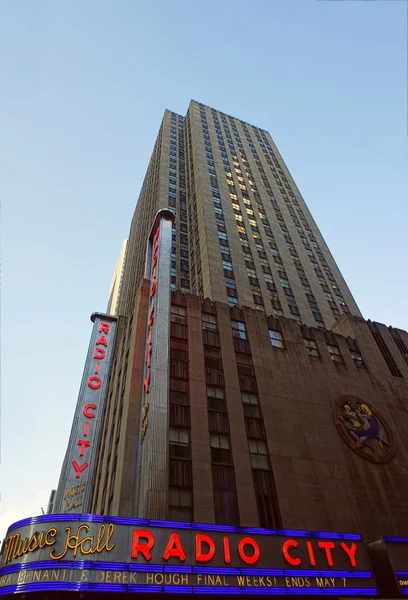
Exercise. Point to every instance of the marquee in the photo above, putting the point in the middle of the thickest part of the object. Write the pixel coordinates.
(98, 553)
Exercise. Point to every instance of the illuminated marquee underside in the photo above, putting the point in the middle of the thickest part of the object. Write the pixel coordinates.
(99, 553)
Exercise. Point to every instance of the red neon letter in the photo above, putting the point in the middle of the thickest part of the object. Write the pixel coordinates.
(86, 427)
(250, 560)
(146, 382)
(143, 548)
(86, 411)
(151, 317)
(227, 553)
(98, 364)
(288, 558)
(155, 255)
(351, 552)
(153, 288)
(83, 444)
(102, 341)
(94, 382)
(148, 355)
(174, 548)
(327, 546)
(104, 328)
(99, 353)
(79, 468)
(200, 555)
(311, 553)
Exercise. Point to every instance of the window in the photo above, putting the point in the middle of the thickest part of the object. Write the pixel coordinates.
(251, 405)
(212, 357)
(216, 398)
(334, 353)
(179, 442)
(276, 339)
(180, 504)
(209, 322)
(311, 348)
(220, 449)
(229, 282)
(358, 360)
(239, 329)
(258, 454)
(232, 301)
(178, 397)
(178, 315)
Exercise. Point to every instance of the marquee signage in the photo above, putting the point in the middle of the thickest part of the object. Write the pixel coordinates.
(116, 554)
(74, 487)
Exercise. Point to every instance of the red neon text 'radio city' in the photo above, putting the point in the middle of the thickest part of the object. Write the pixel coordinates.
(94, 382)
(246, 548)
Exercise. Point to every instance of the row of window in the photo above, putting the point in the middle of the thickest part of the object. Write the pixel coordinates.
(232, 295)
(275, 168)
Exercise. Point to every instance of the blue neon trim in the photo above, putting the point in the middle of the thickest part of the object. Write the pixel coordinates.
(172, 524)
(136, 587)
(210, 527)
(124, 521)
(405, 590)
(175, 569)
(395, 538)
(215, 571)
(198, 569)
(206, 589)
(401, 573)
(150, 569)
(48, 586)
(257, 530)
(193, 526)
(108, 587)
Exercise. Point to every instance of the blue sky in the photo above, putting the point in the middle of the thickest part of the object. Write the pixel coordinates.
(84, 87)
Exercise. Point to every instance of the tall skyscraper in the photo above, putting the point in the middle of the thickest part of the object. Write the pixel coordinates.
(243, 234)
(235, 334)
(233, 385)
(117, 281)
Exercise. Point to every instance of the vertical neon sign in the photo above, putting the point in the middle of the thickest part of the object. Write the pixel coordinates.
(152, 460)
(74, 488)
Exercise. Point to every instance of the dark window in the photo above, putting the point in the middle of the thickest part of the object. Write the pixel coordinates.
(251, 405)
(176, 397)
(216, 398)
(335, 354)
(225, 495)
(178, 314)
(238, 329)
(209, 322)
(179, 442)
(220, 449)
(276, 338)
(180, 504)
(311, 348)
(259, 454)
(267, 503)
(358, 360)
(212, 357)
